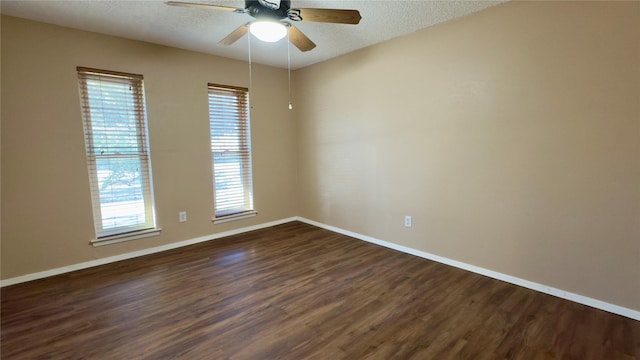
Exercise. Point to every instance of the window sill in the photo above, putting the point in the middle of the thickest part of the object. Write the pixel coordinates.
(234, 217)
(114, 239)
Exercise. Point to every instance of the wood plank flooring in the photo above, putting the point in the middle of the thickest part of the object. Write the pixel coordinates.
(295, 291)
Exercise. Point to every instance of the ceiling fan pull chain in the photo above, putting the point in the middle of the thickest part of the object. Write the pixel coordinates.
(250, 75)
(289, 67)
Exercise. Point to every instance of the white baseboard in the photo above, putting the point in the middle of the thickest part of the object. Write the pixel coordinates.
(130, 255)
(584, 300)
(598, 304)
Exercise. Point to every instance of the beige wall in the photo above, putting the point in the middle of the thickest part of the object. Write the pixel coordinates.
(46, 209)
(511, 136)
(0, 148)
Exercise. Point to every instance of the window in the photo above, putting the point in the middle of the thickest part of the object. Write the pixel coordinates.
(115, 128)
(231, 152)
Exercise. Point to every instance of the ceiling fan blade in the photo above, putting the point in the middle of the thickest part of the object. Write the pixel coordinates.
(204, 6)
(300, 40)
(235, 35)
(336, 16)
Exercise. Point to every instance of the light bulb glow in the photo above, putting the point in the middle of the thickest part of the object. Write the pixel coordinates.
(269, 31)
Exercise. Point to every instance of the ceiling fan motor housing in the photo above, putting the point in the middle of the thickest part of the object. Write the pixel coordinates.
(257, 10)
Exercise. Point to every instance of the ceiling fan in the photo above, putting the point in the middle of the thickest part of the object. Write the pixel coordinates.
(271, 14)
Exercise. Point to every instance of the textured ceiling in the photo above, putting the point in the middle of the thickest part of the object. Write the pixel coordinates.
(200, 29)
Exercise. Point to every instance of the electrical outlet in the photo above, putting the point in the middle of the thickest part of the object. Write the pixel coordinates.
(182, 215)
(407, 221)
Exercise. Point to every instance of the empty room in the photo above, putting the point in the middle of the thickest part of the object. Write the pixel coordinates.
(313, 179)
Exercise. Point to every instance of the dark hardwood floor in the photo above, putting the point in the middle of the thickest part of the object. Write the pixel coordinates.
(295, 291)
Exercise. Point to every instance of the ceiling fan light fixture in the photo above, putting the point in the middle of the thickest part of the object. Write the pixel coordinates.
(269, 31)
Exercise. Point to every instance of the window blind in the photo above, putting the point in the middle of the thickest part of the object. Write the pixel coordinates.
(231, 150)
(117, 149)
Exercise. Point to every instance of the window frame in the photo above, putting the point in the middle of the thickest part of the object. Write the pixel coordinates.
(242, 118)
(113, 234)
